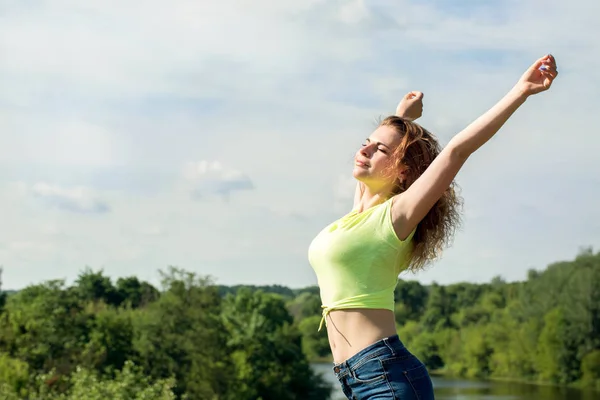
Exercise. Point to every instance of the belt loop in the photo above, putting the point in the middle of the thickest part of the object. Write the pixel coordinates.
(350, 370)
(387, 343)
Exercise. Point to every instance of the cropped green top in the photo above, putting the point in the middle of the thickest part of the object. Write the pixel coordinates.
(357, 260)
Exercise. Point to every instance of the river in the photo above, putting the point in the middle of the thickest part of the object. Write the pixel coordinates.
(465, 389)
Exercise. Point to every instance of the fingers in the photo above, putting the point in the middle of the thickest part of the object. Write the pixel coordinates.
(548, 67)
(545, 63)
(550, 76)
(550, 72)
(416, 95)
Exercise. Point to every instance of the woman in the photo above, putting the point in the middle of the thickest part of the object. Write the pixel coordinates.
(405, 211)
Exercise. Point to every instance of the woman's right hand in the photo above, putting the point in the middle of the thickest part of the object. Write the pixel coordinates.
(538, 77)
(411, 106)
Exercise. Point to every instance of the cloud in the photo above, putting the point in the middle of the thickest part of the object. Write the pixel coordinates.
(211, 178)
(75, 200)
(115, 97)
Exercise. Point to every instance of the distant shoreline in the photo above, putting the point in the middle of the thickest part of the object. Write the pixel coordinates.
(440, 373)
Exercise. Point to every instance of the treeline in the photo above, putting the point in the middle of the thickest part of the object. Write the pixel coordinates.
(545, 329)
(97, 340)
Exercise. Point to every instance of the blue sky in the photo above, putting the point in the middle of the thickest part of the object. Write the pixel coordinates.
(218, 136)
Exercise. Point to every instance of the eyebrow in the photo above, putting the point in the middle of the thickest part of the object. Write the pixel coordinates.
(379, 143)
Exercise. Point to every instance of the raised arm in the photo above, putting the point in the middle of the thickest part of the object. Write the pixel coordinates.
(411, 206)
(410, 107)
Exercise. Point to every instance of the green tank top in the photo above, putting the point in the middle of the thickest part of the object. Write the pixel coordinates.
(357, 260)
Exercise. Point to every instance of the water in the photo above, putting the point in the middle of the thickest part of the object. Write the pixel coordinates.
(465, 389)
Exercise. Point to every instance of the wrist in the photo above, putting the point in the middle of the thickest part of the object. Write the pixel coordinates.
(404, 116)
(519, 93)
(400, 113)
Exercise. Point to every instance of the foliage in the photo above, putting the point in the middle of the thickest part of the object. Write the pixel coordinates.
(545, 329)
(129, 340)
(193, 339)
(127, 384)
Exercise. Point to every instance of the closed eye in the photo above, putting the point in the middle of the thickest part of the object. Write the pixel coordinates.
(382, 149)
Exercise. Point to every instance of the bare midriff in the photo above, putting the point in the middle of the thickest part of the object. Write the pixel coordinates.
(349, 331)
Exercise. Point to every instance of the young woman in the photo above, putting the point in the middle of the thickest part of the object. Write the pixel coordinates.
(405, 211)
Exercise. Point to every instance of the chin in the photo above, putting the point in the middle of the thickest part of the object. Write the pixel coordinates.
(359, 174)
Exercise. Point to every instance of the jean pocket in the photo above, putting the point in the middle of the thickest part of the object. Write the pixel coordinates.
(420, 382)
(370, 371)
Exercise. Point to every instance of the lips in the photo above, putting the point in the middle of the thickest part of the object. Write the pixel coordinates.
(362, 163)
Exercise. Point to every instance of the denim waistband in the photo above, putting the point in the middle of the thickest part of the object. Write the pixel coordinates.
(391, 345)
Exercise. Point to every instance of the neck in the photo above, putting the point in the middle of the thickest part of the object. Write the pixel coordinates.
(371, 196)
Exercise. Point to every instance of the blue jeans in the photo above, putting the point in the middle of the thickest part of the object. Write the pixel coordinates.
(384, 370)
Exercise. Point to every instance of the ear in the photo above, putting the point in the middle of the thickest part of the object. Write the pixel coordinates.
(402, 177)
(403, 173)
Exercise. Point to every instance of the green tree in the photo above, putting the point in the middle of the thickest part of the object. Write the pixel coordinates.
(110, 339)
(2, 294)
(94, 286)
(84, 384)
(439, 309)
(315, 343)
(14, 375)
(45, 326)
(267, 351)
(181, 335)
(305, 305)
(134, 293)
(590, 368)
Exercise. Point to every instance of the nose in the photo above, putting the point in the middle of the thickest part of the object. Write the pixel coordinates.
(366, 151)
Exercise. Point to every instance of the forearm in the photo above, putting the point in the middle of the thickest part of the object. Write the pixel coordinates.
(485, 127)
(404, 115)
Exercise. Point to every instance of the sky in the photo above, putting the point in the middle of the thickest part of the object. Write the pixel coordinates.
(218, 137)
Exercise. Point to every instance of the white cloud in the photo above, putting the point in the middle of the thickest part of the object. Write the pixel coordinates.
(114, 97)
(77, 199)
(209, 178)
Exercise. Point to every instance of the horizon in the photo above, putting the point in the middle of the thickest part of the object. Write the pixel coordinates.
(218, 138)
(213, 282)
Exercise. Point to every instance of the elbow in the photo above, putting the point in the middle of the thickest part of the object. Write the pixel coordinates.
(458, 151)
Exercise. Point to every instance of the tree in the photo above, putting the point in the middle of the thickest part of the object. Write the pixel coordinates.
(134, 293)
(411, 299)
(315, 343)
(305, 305)
(439, 308)
(45, 326)
(84, 384)
(267, 351)
(181, 335)
(2, 294)
(94, 286)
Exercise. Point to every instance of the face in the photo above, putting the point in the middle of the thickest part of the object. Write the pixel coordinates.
(375, 155)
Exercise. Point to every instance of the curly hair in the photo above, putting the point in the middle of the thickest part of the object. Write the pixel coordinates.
(416, 151)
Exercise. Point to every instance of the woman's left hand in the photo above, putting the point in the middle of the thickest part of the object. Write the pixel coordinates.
(411, 106)
(539, 77)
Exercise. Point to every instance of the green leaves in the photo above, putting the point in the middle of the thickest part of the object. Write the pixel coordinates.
(191, 338)
(268, 354)
(95, 340)
(546, 328)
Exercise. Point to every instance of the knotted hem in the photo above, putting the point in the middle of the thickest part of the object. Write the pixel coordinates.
(383, 299)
